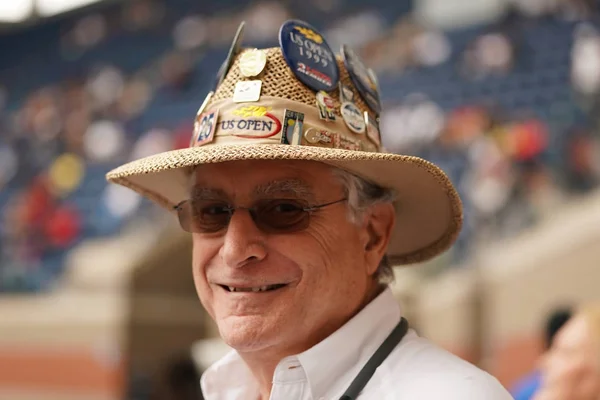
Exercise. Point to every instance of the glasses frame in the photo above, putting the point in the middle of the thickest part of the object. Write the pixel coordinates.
(253, 213)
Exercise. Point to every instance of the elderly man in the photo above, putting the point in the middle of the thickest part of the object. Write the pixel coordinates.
(296, 217)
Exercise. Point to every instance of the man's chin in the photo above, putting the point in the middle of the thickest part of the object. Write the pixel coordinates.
(246, 333)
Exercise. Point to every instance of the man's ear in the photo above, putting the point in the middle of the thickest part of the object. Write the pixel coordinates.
(379, 222)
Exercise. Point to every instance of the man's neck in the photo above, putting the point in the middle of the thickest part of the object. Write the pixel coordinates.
(264, 362)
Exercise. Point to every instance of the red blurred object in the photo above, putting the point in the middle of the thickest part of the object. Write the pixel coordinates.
(38, 201)
(466, 124)
(182, 136)
(63, 226)
(529, 139)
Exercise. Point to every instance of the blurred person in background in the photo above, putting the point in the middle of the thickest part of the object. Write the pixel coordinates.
(296, 218)
(528, 386)
(571, 369)
(179, 380)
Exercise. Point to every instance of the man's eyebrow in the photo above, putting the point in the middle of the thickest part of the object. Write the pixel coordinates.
(207, 193)
(296, 187)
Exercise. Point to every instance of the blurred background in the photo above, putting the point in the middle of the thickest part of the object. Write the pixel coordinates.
(96, 296)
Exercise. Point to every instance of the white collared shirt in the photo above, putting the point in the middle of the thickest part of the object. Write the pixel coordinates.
(415, 370)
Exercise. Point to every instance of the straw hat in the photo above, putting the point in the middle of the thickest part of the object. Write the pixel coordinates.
(270, 105)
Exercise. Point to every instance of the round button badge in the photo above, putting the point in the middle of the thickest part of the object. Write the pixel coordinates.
(353, 117)
(363, 78)
(309, 56)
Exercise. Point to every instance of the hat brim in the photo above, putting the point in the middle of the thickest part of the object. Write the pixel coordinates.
(429, 210)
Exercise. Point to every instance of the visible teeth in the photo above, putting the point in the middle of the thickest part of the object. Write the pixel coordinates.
(254, 289)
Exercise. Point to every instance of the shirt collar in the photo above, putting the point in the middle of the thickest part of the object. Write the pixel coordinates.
(348, 348)
(352, 345)
(230, 374)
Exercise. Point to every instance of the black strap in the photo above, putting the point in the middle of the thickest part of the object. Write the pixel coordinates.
(375, 361)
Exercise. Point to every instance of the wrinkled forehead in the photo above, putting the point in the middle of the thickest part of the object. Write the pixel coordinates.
(264, 178)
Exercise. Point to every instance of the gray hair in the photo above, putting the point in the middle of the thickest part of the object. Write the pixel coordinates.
(363, 194)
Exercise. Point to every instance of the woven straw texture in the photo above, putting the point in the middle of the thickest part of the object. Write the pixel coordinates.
(278, 80)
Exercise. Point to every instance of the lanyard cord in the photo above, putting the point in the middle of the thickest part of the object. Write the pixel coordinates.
(375, 361)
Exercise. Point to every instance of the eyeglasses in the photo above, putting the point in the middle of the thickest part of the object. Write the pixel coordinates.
(269, 215)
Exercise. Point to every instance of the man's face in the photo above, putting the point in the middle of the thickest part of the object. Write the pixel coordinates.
(325, 271)
(571, 366)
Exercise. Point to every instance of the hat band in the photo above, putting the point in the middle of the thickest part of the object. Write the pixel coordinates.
(273, 120)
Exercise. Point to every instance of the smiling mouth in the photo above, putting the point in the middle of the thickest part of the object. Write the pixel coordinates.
(257, 289)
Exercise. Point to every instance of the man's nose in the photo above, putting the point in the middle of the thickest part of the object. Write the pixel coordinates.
(243, 242)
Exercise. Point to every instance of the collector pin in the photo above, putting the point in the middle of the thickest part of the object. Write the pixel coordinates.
(252, 63)
(326, 106)
(247, 91)
(198, 113)
(293, 123)
(363, 78)
(372, 128)
(308, 55)
(347, 143)
(321, 137)
(353, 117)
(204, 128)
(346, 94)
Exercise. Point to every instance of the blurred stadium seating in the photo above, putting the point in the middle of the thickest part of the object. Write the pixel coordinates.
(498, 106)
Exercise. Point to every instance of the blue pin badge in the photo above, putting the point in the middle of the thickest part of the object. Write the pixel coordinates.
(233, 50)
(309, 56)
(363, 78)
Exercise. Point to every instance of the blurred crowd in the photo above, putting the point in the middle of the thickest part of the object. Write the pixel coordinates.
(507, 109)
(569, 366)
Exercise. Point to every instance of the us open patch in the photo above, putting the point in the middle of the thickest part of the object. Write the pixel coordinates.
(251, 122)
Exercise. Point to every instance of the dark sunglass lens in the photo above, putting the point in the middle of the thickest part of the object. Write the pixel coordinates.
(282, 215)
(209, 217)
